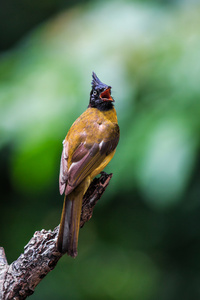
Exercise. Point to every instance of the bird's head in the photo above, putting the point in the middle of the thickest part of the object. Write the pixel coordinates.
(100, 95)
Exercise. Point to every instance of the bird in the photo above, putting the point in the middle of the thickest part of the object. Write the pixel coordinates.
(88, 147)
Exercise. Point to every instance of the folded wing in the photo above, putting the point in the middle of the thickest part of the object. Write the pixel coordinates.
(85, 159)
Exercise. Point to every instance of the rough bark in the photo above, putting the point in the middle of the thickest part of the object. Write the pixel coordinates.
(19, 279)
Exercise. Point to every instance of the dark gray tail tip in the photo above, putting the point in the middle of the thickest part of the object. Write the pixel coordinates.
(64, 250)
(72, 253)
(60, 249)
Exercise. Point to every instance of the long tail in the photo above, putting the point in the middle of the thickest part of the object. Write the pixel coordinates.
(70, 224)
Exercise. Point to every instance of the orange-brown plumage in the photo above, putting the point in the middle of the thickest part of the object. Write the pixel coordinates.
(88, 147)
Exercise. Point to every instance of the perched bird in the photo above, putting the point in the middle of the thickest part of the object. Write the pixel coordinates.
(87, 149)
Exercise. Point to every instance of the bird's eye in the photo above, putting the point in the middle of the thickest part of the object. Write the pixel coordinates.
(95, 93)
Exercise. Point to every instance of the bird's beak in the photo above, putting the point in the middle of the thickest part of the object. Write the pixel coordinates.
(105, 95)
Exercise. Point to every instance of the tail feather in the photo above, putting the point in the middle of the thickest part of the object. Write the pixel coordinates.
(69, 225)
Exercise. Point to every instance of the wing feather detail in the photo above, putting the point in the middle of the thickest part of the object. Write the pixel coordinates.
(106, 147)
(82, 168)
(63, 176)
(85, 159)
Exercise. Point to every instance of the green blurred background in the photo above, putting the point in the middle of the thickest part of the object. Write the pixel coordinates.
(143, 241)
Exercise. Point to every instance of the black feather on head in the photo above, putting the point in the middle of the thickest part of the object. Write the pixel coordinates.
(100, 95)
(96, 82)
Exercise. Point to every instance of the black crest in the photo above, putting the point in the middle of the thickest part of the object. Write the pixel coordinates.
(100, 95)
(96, 82)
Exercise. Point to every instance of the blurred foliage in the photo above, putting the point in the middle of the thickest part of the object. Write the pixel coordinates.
(143, 241)
(25, 14)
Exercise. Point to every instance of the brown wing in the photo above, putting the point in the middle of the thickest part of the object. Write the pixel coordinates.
(109, 145)
(63, 176)
(90, 158)
(85, 159)
(81, 161)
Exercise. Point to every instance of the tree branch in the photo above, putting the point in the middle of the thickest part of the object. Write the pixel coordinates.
(19, 279)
